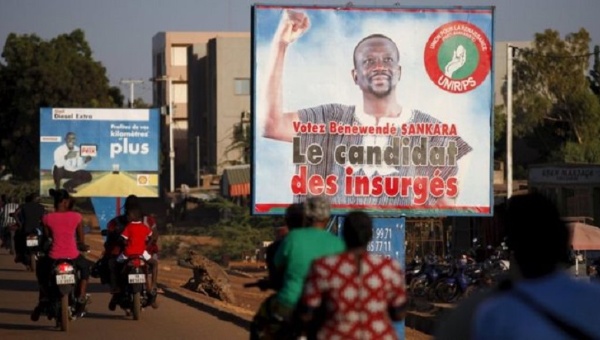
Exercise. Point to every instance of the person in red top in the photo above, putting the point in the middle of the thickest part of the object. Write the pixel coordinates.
(136, 235)
(362, 292)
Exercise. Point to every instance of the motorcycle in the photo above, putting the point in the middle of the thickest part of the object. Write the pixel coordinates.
(413, 268)
(61, 304)
(134, 296)
(431, 272)
(460, 282)
(33, 250)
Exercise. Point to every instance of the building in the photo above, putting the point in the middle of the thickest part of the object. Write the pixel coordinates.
(500, 65)
(170, 61)
(574, 187)
(219, 88)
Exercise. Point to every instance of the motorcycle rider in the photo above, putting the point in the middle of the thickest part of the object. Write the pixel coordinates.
(61, 226)
(113, 247)
(29, 217)
(136, 235)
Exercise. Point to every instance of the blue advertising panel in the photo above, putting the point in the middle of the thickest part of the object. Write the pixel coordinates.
(388, 240)
(100, 152)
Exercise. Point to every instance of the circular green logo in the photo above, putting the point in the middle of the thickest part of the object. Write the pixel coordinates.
(452, 50)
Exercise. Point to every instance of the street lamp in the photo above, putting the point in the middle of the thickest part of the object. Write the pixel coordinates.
(171, 149)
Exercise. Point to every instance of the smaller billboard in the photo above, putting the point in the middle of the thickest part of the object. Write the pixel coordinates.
(100, 152)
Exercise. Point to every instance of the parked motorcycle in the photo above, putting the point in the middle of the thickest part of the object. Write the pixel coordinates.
(431, 272)
(413, 268)
(134, 295)
(450, 288)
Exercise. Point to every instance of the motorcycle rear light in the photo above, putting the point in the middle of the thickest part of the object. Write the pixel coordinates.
(136, 262)
(64, 268)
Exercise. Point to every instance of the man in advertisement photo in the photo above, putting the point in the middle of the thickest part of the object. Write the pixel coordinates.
(377, 152)
(69, 164)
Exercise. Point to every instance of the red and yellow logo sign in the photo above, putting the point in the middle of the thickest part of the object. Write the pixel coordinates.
(458, 56)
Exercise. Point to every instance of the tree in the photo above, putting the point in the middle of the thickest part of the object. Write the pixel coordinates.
(241, 142)
(117, 97)
(554, 109)
(36, 73)
(139, 103)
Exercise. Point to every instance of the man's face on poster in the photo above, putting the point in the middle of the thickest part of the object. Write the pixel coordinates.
(71, 141)
(376, 66)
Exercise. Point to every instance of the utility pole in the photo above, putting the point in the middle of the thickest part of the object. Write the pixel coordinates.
(509, 114)
(132, 83)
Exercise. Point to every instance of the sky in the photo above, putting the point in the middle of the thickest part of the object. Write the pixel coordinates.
(120, 31)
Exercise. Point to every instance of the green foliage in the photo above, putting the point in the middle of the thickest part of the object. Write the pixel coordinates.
(239, 232)
(37, 73)
(18, 190)
(499, 132)
(240, 142)
(117, 97)
(139, 103)
(554, 109)
(169, 246)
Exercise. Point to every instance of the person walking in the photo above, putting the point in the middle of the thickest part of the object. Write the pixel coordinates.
(362, 292)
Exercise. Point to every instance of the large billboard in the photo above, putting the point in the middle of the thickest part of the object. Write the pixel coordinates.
(100, 152)
(389, 110)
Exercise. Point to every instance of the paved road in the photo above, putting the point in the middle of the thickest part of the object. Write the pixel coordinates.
(172, 320)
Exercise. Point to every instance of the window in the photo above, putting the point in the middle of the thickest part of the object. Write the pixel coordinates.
(180, 91)
(179, 56)
(242, 86)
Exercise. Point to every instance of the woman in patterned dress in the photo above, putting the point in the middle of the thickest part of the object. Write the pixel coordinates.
(362, 293)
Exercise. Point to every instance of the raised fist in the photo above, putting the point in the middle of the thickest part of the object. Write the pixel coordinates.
(292, 25)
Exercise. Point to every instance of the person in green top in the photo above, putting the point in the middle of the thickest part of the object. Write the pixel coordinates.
(299, 248)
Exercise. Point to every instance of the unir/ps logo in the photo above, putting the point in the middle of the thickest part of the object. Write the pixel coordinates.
(458, 56)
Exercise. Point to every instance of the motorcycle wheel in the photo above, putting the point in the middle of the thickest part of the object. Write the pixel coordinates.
(137, 306)
(64, 313)
(470, 291)
(418, 286)
(446, 293)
